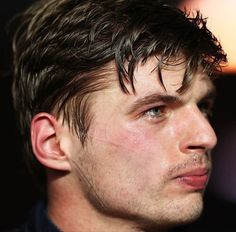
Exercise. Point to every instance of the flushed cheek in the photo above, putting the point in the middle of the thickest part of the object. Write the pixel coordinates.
(136, 145)
(146, 159)
(145, 150)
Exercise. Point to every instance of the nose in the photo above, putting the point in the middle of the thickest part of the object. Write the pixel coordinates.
(199, 136)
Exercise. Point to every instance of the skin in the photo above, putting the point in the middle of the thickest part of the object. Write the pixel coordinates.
(129, 175)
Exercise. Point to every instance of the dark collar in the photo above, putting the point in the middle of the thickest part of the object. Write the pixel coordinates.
(38, 220)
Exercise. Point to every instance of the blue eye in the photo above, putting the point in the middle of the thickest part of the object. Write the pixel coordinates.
(155, 112)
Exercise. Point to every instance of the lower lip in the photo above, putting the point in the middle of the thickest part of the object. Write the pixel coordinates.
(194, 182)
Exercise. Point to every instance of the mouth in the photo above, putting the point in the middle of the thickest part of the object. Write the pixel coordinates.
(196, 179)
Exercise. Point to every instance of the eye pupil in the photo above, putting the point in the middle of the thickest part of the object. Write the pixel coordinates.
(154, 112)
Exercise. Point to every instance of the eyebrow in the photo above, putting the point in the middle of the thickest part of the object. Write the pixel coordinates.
(154, 98)
(167, 99)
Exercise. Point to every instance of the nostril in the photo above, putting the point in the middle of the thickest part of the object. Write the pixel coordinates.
(197, 149)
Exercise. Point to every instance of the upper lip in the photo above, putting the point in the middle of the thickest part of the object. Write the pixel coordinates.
(195, 172)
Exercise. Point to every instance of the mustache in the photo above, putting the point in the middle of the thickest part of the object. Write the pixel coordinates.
(193, 161)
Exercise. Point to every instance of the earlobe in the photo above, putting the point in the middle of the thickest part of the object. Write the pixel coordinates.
(46, 143)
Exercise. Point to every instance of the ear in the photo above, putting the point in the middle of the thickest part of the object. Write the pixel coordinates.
(45, 134)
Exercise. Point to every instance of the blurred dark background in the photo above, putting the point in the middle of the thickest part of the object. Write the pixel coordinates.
(18, 192)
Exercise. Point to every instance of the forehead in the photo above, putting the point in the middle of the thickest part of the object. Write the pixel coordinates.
(147, 83)
(171, 76)
(169, 80)
(112, 103)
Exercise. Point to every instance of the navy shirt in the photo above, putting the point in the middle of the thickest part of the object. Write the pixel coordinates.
(38, 221)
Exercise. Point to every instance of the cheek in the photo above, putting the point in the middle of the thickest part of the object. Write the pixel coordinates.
(127, 147)
(144, 148)
(137, 141)
(137, 144)
(135, 156)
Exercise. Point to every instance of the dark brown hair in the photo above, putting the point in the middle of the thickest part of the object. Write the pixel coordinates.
(61, 49)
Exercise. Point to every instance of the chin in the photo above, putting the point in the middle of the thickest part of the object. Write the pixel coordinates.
(174, 218)
(183, 210)
(190, 211)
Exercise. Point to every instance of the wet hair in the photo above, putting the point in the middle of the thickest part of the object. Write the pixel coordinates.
(62, 49)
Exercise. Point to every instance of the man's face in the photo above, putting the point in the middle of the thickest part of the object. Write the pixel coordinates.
(146, 153)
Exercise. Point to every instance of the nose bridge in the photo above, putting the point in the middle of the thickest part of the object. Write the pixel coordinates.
(199, 134)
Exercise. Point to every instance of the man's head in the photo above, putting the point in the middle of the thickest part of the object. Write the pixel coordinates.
(121, 89)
